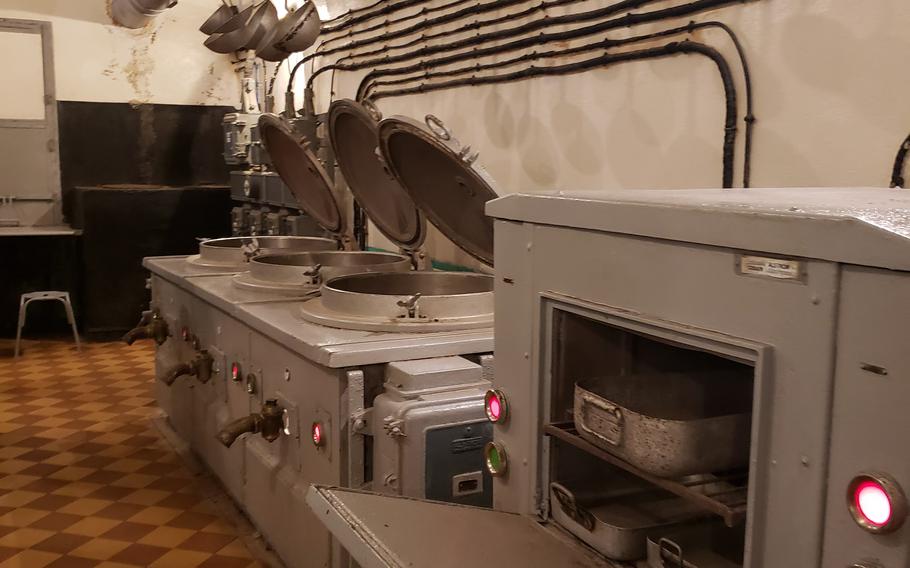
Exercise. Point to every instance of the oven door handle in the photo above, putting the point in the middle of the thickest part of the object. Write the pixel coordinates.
(610, 417)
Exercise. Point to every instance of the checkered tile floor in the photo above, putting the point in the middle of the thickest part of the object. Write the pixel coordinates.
(85, 479)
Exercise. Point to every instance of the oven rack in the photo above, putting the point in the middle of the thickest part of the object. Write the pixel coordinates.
(724, 495)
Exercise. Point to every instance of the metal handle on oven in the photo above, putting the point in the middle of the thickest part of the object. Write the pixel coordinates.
(590, 400)
(571, 508)
(669, 547)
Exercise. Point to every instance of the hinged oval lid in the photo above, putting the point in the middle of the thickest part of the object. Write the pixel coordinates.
(304, 175)
(437, 172)
(354, 131)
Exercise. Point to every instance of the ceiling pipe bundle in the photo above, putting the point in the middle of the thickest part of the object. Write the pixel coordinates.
(137, 14)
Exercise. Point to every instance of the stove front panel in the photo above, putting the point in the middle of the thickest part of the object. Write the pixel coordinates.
(279, 473)
(870, 421)
(684, 285)
(176, 400)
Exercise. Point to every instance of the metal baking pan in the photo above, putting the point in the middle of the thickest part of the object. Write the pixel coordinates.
(618, 525)
(699, 545)
(669, 424)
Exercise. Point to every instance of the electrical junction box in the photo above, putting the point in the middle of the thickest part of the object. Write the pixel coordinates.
(429, 430)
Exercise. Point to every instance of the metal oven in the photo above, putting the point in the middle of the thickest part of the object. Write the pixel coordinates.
(698, 379)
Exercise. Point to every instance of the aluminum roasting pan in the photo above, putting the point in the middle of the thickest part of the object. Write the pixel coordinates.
(699, 545)
(669, 424)
(618, 525)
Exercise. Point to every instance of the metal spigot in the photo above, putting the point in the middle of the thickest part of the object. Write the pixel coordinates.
(229, 434)
(200, 367)
(151, 325)
(268, 423)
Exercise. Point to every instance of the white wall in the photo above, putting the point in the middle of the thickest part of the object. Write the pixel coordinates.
(830, 95)
(164, 63)
(831, 88)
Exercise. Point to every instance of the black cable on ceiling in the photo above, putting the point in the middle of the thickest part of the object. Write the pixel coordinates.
(424, 11)
(670, 49)
(355, 16)
(475, 25)
(320, 51)
(479, 39)
(472, 10)
(897, 173)
(542, 38)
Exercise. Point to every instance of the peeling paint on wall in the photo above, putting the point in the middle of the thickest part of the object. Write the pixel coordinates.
(164, 62)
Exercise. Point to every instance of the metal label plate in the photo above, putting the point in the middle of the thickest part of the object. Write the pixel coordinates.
(773, 268)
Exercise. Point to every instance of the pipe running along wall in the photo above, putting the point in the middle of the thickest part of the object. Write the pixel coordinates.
(479, 39)
(368, 85)
(628, 20)
(606, 60)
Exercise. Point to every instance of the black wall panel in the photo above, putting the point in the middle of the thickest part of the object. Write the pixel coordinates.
(153, 178)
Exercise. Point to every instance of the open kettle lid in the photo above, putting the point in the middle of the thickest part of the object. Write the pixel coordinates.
(302, 172)
(442, 179)
(354, 132)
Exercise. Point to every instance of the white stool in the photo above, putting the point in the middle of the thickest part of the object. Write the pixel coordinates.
(27, 299)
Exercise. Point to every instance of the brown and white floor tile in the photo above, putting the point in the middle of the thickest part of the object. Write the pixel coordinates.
(86, 480)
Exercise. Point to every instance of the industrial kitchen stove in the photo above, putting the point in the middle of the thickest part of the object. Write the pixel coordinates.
(376, 382)
(684, 379)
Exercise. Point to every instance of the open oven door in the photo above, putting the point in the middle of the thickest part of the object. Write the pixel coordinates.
(382, 531)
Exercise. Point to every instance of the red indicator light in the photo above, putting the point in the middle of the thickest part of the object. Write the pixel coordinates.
(318, 434)
(876, 503)
(873, 503)
(235, 372)
(495, 409)
(496, 406)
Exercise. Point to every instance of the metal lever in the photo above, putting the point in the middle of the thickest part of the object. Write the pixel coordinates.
(314, 274)
(151, 325)
(268, 422)
(410, 304)
(250, 248)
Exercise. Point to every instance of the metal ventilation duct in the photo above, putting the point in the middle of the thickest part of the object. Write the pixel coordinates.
(137, 13)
